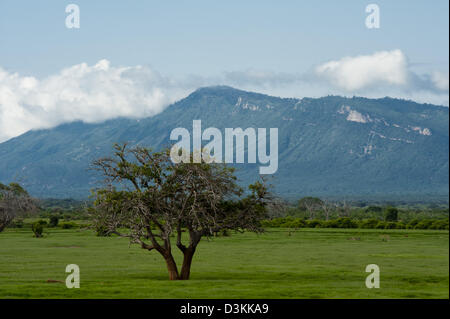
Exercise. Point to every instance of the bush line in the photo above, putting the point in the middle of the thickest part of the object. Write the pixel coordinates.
(345, 222)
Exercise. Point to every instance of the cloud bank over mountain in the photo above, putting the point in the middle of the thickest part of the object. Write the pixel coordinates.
(81, 92)
(94, 93)
(355, 73)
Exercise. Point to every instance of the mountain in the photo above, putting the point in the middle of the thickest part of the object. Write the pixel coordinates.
(328, 146)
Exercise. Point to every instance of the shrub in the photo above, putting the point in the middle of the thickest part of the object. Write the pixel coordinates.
(37, 229)
(369, 223)
(332, 223)
(391, 214)
(286, 221)
(313, 223)
(296, 223)
(412, 224)
(266, 223)
(17, 223)
(54, 221)
(276, 222)
(346, 222)
(401, 225)
(68, 225)
(440, 224)
(390, 225)
(424, 224)
(381, 225)
(42, 222)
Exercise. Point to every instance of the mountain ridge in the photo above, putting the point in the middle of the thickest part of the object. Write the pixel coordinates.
(327, 146)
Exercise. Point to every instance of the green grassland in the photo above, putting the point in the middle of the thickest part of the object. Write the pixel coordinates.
(308, 263)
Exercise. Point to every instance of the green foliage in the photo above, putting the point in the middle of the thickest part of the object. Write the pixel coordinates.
(401, 225)
(17, 189)
(332, 223)
(102, 231)
(296, 223)
(439, 224)
(42, 222)
(313, 223)
(391, 214)
(424, 224)
(346, 222)
(14, 188)
(369, 223)
(390, 225)
(412, 224)
(68, 225)
(14, 202)
(381, 225)
(56, 205)
(54, 220)
(37, 229)
(17, 223)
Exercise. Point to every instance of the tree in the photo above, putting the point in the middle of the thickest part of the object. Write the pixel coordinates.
(37, 229)
(310, 204)
(148, 198)
(391, 214)
(327, 208)
(343, 209)
(14, 201)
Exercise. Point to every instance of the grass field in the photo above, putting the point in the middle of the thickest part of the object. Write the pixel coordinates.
(309, 263)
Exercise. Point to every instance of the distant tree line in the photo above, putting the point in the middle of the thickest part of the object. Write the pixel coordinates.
(346, 222)
(309, 208)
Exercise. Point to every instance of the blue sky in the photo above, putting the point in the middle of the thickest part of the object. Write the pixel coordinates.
(169, 48)
(207, 37)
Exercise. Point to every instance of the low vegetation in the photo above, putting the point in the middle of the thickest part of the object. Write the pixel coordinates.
(346, 222)
(308, 263)
(158, 204)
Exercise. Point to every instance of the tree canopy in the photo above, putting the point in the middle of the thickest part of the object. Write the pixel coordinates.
(14, 201)
(148, 198)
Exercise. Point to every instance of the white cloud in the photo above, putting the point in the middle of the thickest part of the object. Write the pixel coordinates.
(355, 73)
(94, 93)
(385, 73)
(440, 80)
(82, 92)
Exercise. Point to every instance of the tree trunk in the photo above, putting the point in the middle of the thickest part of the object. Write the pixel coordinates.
(171, 267)
(187, 261)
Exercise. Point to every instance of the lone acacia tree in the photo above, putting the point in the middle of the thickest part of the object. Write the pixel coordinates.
(158, 198)
(14, 201)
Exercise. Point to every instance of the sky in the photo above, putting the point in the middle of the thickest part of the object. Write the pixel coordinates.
(133, 58)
